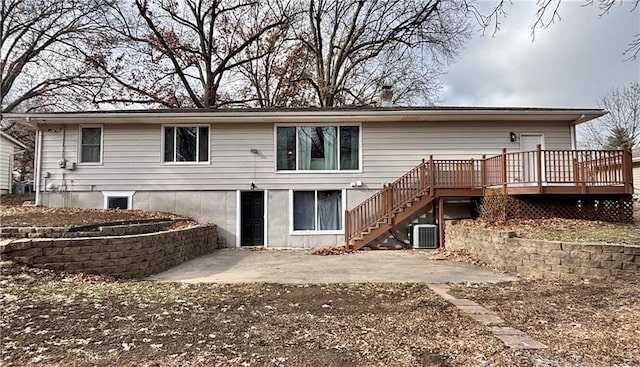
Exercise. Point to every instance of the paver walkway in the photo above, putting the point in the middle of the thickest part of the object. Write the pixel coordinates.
(511, 337)
(299, 266)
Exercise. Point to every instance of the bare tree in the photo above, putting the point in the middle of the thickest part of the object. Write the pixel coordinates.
(178, 54)
(621, 124)
(548, 12)
(355, 46)
(38, 42)
(276, 61)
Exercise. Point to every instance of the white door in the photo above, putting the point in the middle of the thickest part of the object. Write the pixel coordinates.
(528, 144)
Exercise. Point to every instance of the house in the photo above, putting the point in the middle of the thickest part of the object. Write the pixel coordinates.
(9, 147)
(316, 176)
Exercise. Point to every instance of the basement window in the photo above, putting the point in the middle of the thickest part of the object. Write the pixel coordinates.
(118, 199)
(317, 211)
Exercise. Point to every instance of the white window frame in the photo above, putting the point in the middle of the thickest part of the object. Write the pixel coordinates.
(118, 194)
(94, 126)
(174, 162)
(293, 232)
(324, 124)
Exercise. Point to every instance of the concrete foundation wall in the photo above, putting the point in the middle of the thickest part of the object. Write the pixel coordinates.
(119, 256)
(551, 259)
(221, 208)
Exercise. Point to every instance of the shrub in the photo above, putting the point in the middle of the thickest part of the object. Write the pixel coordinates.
(495, 207)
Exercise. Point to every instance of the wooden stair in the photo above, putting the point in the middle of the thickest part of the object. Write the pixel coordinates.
(393, 204)
(383, 225)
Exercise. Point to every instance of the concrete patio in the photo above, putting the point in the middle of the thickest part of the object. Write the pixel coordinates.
(299, 266)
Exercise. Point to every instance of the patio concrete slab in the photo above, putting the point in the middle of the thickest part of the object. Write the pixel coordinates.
(299, 267)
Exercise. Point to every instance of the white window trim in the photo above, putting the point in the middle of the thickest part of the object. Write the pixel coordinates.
(303, 172)
(176, 163)
(293, 232)
(119, 194)
(80, 162)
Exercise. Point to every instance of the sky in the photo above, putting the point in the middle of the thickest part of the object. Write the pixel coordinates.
(569, 64)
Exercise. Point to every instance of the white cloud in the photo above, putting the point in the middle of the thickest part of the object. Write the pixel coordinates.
(569, 64)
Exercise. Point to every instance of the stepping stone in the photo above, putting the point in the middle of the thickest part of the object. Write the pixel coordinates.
(442, 290)
(514, 338)
(487, 319)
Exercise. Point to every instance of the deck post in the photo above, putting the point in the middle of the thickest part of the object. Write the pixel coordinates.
(472, 171)
(423, 178)
(504, 170)
(578, 176)
(432, 176)
(627, 169)
(385, 201)
(483, 172)
(347, 230)
(539, 167)
(441, 221)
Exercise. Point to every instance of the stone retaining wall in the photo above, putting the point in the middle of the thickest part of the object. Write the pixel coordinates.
(549, 259)
(131, 256)
(66, 232)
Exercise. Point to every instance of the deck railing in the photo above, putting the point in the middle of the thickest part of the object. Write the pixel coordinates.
(582, 168)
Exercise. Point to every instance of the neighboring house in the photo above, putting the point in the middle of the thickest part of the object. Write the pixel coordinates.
(284, 177)
(9, 147)
(636, 176)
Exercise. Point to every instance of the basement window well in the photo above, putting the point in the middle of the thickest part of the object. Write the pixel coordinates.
(118, 199)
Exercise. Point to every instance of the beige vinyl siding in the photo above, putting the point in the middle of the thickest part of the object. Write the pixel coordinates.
(132, 155)
(6, 149)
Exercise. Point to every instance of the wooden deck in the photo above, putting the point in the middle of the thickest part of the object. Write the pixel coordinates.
(538, 172)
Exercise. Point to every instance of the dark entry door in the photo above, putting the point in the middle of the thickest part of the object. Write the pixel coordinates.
(252, 218)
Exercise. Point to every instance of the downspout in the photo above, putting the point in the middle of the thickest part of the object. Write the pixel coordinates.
(574, 138)
(38, 163)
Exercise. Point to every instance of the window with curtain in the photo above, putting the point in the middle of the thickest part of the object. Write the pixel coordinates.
(90, 144)
(318, 148)
(186, 144)
(317, 210)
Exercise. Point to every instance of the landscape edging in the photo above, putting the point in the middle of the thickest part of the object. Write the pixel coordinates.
(548, 259)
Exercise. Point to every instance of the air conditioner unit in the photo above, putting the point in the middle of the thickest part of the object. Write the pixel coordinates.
(424, 236)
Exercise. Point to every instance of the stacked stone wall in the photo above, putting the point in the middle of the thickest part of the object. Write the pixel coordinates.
(550, 259)
(65, 232)
(131, 256)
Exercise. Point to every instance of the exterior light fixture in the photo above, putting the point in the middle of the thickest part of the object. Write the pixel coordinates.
(512, 136)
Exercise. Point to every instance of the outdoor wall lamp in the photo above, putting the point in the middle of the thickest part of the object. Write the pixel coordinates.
(512, 136)
(252, 186)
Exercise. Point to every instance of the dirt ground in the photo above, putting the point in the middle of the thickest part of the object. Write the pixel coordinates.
(53, 319)
(22, 216)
